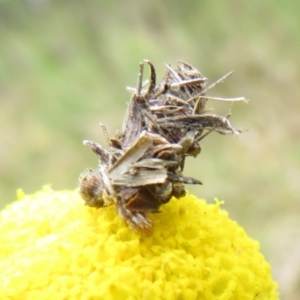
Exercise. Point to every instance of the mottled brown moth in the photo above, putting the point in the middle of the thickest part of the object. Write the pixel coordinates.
(142, 168)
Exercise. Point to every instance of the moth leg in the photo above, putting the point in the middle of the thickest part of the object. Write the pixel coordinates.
(190, 141)
(189, 147)
(178, 190)
(134, 203)
(135, 219)
(163, 192)
(178, 178)
(205, 134)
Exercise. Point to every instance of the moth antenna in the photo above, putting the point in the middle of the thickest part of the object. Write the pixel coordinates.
(152, 83)
(140, 79)
(206, 134)
(217, 82)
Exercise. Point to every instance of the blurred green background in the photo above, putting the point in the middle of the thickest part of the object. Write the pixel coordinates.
(64, 66)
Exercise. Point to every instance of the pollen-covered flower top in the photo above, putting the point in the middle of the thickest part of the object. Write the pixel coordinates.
(54, 247)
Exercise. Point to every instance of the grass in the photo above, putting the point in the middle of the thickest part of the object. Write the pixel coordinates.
(64, 67)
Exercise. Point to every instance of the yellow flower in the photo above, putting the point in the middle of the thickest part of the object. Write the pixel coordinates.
(54, 247)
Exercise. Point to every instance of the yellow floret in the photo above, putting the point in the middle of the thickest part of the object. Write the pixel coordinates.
(54, 247)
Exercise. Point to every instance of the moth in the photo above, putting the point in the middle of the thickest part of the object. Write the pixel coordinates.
(142, 168)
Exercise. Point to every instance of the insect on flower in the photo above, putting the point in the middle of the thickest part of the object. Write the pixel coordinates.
(142, 168)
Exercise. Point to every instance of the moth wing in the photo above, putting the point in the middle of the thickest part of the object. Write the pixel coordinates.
(140, 199)
(133, 154)
(205, 121)
(140, 177)
(154, 163)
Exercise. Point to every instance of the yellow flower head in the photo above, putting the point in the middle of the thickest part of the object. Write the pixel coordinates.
(54, 247)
